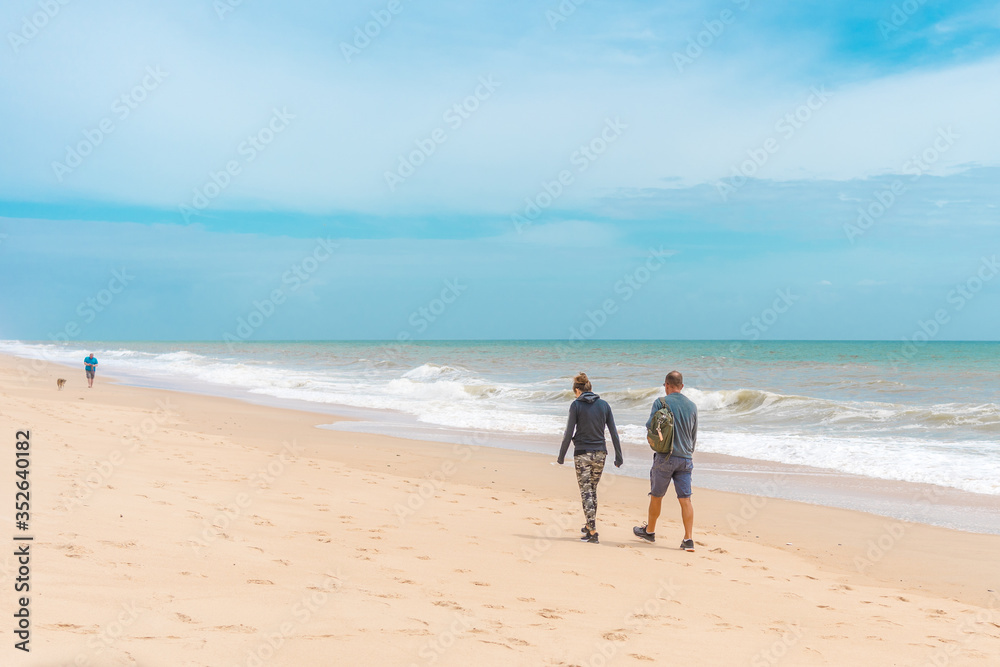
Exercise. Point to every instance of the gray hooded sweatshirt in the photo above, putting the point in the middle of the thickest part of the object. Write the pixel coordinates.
(588, 415)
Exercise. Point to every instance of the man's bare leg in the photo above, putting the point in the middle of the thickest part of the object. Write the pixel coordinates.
(687, 516)
(655, 504)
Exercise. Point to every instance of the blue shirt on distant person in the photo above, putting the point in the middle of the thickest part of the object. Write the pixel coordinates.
(685, 422)
(91, 364)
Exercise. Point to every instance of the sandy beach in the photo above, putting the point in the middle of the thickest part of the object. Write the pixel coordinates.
(179, 529)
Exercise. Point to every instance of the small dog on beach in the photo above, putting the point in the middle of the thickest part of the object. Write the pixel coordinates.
(59, 383)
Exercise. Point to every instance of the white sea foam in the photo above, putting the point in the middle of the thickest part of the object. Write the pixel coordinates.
(901, 459)
(949, 443)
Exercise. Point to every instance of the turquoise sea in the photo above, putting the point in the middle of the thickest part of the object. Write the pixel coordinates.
(885, 410)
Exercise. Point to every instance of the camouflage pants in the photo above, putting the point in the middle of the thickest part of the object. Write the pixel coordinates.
(589, 466)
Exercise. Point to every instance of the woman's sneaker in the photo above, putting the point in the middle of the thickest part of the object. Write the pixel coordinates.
(687, 545)
(590, 537)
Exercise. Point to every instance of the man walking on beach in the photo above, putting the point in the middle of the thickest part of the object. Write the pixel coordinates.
(90, 366)
(678, 466)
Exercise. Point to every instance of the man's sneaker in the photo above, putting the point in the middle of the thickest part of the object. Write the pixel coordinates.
(640, 531)
(590, 537)
(687, 545)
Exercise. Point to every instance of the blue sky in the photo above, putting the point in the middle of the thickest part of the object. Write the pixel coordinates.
(205, 150)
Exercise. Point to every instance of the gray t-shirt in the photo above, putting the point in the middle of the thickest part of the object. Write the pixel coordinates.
(685, 422)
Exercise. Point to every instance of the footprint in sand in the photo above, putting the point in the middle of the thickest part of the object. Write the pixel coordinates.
(449, 604)
(243, 629)
(185, 618)
(265, 582)
(616, 636)
(886, 621)
(75, 550)
(74, 628)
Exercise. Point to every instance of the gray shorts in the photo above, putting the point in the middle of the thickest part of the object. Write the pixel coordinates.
(675, 468)
(90, 374)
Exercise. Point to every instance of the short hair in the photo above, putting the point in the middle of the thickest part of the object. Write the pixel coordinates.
(674, 379)
(582, 382)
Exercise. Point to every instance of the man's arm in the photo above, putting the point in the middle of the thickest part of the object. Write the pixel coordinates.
(568, 434)
(656, 408)
(694, 432)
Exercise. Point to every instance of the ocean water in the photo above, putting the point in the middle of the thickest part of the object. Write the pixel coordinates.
(929, 414)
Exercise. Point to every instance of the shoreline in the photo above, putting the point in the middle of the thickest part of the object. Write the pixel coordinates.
(908, 502)
(217, 518)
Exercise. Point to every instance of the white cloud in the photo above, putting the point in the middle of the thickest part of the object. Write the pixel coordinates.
(352, 122)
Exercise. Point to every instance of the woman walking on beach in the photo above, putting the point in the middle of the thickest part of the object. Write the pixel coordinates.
(588, 415)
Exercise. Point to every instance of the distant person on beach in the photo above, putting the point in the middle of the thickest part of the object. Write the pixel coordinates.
(677, 466)
(90, 365)
(588, 415)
